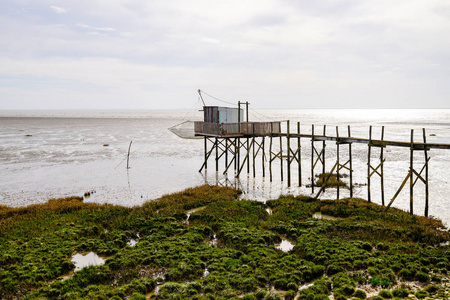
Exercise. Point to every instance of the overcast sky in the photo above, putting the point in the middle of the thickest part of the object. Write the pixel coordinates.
(155, 54)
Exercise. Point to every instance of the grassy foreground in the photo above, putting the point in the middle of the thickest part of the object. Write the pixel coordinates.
(224, 250)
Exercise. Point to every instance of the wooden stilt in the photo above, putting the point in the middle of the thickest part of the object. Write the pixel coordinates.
(281, 157)
(350, 161)
(253, 149)
(205, 163)
(270, 151)
(325, 180)
(248, 161)
(299, 161)
(398, 191)
(337, 161)
(426, 173)
(238, 160)
(231, 146)
(323, 148)
(382, 167)
(226, 152)
(312, 159)
(263, 156)
(217, 155)
(411, 173)
(288, 142)
(368, 163)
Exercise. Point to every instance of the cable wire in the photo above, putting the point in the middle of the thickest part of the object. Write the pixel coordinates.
(217, 98)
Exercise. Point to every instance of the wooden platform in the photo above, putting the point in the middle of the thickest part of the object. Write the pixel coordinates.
(372, 142)
(244, 129)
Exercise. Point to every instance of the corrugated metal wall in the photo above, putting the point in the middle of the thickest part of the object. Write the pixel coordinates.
(211, 114)
(216, 114)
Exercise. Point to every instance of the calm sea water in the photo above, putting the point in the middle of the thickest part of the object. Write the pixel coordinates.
(45, 154)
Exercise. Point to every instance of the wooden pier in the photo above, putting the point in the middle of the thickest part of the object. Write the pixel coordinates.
(242, 144)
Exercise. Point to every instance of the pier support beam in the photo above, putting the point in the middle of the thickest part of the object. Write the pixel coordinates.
(418, 175)
(315, 152)
(378, 169)
(252, 145)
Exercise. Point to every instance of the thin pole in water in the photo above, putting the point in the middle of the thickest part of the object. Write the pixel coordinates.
(128, 156)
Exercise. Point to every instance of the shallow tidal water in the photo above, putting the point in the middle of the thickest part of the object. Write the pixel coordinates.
(48, 154)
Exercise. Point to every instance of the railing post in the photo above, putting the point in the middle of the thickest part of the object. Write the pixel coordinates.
(411, 173)
(289, 153)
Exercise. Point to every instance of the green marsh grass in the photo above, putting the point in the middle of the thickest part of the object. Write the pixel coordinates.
(364, 246)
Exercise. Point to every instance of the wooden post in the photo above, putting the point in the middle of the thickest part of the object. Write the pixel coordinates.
(426, 172)
(248, 151)
(235, 156)
(263, 156)
(299, 147)
(312, 158)
(411, 173)
(206, 154)
(323, 148)
(337, 160)
(351, 166)
(246, 109)
(281, 157)
(368, 163)
(288, 153)
(382, 167)
(226, 153)
(238, 161)
(128, 156)
(217, 154)
(253, 146)
(270, 151)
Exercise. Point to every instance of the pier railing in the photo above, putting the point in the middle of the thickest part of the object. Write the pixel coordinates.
(236, 129)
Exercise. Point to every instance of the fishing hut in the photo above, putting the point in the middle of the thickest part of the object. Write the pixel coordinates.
(241, 144)
(230, 137)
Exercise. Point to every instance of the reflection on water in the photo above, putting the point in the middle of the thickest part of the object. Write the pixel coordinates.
(285, 245)
(213, 241)
(305, 286)
(205, 273)
(86, 260)
(320, 216)
(190, 212)
(132, 242)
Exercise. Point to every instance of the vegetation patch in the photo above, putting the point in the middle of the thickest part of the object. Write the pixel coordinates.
(364, 250)
(330, 180)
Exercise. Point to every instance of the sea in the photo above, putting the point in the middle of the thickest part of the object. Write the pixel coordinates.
(52, 154)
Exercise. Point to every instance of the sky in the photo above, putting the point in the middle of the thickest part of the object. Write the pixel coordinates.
(156, 54)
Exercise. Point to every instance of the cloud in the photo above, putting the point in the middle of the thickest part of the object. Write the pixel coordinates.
(96, 28)
(301, 53)
(58, 10)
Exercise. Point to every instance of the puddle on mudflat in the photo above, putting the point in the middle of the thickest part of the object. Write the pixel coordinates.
(159, 276)
(205, 273)
(190, 212)
(89, 259)
(305, 286)
(213, 241)
(81, 261)
(133, 242)
(285, 245)
(154, 292)
(320, 216)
